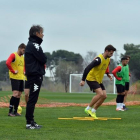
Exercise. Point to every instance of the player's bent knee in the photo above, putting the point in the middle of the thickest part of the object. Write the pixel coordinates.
(101, 95)
(104, 96)
(15, 94)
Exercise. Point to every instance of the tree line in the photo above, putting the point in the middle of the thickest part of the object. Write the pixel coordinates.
(134, 64)
(65, 63)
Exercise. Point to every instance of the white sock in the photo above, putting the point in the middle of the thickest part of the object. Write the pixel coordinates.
(93, 110)
(121, 105)
(88, 108)
(117, 105)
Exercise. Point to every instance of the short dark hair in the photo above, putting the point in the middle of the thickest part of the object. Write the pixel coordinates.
(127, 56)
(124, 58)
(110, 48)
(34, 29)
(22, 46)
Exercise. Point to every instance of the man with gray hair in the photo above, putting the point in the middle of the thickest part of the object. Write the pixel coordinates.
(35, 60)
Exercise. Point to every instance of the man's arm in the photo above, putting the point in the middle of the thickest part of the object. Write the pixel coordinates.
(107, 70)
(94, 63)
(129, 73)
(108, 73)
(114, 72)
(9, 61)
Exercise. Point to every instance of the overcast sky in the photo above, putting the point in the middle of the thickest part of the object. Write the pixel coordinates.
(74, 25)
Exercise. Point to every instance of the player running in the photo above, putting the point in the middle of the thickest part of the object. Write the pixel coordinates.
(93, 74)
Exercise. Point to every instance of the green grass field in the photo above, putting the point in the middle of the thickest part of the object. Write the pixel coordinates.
(13, 128)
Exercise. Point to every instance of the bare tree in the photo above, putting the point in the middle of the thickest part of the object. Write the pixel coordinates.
(89, 58)
(63, 70)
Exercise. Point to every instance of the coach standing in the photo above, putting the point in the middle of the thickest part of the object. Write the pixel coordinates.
(35, 60)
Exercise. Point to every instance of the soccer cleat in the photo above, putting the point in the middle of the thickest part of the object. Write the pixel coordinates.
(125, 108)
(37, 125)
(88, 112)
(11, 114)
(120, 109)
(17, 114)
(33, 125)
(93, 114)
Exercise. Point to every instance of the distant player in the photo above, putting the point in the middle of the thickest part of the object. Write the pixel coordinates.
(15, 64)
(93, 74)
(127, 75)
(119, 74)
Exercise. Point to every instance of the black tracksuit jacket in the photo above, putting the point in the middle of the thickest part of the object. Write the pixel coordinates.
(35, 59)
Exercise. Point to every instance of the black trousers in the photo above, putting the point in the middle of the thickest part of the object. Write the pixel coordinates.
(35, 85)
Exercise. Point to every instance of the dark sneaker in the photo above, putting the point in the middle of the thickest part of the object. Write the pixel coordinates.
(37, 125)
(11, 114)
(125, 108)
(33, 125)
(30, 126)
(17, 114)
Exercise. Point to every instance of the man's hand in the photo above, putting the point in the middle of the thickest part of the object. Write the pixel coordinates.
(94, 58)
(82, 83)
(119, 78)
(110, 77)
(16, 71)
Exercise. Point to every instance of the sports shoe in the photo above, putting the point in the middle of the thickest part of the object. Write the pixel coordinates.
(17, 114)
(88, 112)
(33, 125)
(30, 126)
(11, 114)
(37, 125)
(93, 114)
(120, 109)
(125, 108)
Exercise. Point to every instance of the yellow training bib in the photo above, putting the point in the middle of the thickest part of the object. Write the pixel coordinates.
(18, 65)
(97, 73)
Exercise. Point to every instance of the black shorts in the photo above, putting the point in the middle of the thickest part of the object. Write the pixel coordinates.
(17, 85)
(94, 85)
(120, 88)
(126, 85)
(27, 86)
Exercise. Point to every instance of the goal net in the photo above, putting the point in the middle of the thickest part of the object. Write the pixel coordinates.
(75, 79)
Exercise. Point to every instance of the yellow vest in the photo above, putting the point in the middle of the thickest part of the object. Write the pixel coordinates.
(18, 65)
(97, 73)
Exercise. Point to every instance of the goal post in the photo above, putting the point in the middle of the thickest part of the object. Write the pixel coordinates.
(75, 79)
